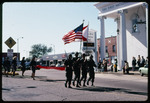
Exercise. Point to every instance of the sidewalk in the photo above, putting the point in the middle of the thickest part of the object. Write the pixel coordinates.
(118, 72)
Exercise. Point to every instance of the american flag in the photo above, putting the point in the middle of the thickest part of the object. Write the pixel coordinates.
(73, 34)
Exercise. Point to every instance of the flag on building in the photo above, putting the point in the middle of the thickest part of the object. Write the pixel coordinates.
(73, 34)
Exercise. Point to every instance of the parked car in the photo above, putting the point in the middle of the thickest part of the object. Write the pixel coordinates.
(27, 64)
(58, 65)
(143, 70)
(52, 65)
(19, 65)
(62, 65)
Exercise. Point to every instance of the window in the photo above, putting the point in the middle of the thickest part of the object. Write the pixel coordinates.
(114, 48)
(106, 49)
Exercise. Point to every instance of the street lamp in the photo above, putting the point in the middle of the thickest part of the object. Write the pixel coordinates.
(26, 53)
(54, 48)
(18, 49)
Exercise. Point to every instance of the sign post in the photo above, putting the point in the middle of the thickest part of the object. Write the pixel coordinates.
(10, 43)
(10, 54)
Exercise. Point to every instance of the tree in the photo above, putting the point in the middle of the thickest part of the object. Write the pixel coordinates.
(39, 50)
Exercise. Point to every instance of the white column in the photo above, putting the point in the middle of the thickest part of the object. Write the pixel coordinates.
(123, 45)
(146, 9)
(102, 37)
(95, 47)
(117, 20)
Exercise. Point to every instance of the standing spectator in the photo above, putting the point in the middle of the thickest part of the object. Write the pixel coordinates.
(23, 65)
(33, 66)
(99, 65)
(146, 62)
(105, 65)
(14, 65)
(115, 65)
(133, 63)
(76, 67)
(102, 65)
(69, 65)
(139, 61)
(91, 65)
(142, 62)
(112, 67)
(126, 67)
(6, 66)
(84, 66)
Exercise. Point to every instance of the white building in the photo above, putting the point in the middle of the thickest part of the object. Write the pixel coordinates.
(132, 24)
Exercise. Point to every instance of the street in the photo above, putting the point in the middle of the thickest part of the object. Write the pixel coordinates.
(49, 86)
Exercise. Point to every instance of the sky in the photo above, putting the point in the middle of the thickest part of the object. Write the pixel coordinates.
(47, 22)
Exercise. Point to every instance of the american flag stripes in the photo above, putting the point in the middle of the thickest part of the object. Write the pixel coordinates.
(73, 34)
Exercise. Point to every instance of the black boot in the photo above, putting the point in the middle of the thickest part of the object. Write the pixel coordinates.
(73, 83)
(87, 82)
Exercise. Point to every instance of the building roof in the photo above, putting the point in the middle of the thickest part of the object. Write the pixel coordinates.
(55, 56)
(110, 9)
(107, 37)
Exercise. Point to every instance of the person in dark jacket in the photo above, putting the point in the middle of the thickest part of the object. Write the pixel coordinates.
(33, 66)
(14, 65)
(69, 65)
(91, 65)
(23, 68)
(142, 62)
(84, 66)
(105, 66)
(133, 63)
(139, 61)
(76, 68)
(99, 65)
(6, 66)
(115, 65)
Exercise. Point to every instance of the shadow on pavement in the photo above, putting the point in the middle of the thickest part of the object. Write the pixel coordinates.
(39, 78)
(50, 80)
(110, 89)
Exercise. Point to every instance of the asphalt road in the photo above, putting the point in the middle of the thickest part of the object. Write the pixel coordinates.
(49, 86)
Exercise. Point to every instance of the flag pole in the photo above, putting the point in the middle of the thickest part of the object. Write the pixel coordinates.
(81, 39)
(87, 38)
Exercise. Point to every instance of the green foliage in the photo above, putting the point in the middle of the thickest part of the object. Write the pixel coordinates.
(39, 50)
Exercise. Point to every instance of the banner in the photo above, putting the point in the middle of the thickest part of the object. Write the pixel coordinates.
(46, 67)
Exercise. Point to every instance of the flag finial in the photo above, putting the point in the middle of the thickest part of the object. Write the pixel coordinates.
(83, 20)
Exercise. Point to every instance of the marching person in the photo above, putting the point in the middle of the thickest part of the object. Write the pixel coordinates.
(33, 66)
(69, 65)
(14, 65)
(76, 68)
(84, 66)
(91, 65)
(23, 65)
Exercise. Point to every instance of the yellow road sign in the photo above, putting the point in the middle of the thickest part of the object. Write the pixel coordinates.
(10, 42)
